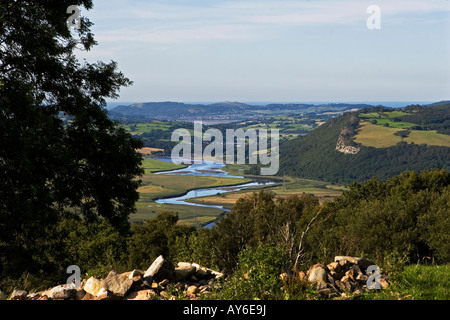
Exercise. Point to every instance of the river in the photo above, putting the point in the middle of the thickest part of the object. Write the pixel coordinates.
(206, 168)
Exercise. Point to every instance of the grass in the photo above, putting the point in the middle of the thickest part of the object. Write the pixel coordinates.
(372, 135)
(290, 186)
(431, 138)
(289, 126)
(189, 215)
(152, 165)
(162, 185)
(147, 126)
(386, 117)
(382, 137)
(417, 282)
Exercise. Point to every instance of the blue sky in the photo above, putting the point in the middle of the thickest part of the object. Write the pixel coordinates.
(275, 51)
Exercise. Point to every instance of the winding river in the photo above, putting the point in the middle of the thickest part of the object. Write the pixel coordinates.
(206, 168)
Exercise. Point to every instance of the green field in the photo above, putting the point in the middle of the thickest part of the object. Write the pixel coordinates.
(156, 186)
(283, 188)
(147, 126)
(152, 165)
(190, 215)
(377, 136)
(387, 118)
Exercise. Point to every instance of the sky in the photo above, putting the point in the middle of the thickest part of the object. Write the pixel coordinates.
(275, 51)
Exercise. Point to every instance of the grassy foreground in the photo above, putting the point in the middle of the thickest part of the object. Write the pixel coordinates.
(417, 282)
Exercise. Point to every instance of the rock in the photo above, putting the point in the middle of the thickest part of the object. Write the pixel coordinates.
(180, 286)
(352, 274)
(18, 295)
(88, 296)
(184, 265)
(159, 270)
(184, 272)
(135, 273)
(104, 294)
(361, 262)
(92, 286)
(45, 294)
(357, 269)
(64, 292)
(216, 274)
(193, 279)
(345, 278)
(192, 290)
(329, 293)
(344, 286)
(365, 263)
(141, 295)
(301, 276)
(202, 273)
(117, 284)
(317, 274)
(79, 295)
(348, 258)
(33, 296)
(156, 286)
(383, 282)
(334, 266)
(164, 283)
(330, 279)
(344, 264)
(362, 278)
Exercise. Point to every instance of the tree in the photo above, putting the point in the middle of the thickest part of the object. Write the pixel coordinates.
(155, 237)
(84, 165)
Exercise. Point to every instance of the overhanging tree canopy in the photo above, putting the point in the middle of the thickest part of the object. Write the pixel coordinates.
(59, 152)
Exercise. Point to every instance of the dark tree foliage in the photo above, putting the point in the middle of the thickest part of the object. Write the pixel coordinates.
(407, 215)
(436, 117)
(256, 219)
(49, 167)
(155, 237)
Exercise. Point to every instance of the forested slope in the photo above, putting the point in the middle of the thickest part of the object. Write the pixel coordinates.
(315, 156)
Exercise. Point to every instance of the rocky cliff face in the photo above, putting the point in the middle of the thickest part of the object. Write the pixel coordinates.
(343, 146)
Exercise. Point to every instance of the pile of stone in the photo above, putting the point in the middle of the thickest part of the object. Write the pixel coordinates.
(160, 281)
(346, 275)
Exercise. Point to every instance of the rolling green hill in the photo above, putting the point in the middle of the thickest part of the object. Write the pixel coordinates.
(415, 138)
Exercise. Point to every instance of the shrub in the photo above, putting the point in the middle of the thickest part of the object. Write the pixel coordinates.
(258, 274)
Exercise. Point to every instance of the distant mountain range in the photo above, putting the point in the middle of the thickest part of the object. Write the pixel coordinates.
(221, 111)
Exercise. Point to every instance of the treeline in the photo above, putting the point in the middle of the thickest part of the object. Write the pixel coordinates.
(402, 220)
(436, 117)
(314, 156)
(407, 214)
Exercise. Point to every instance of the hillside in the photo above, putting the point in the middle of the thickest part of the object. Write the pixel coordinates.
(371, 142)
(222, 110)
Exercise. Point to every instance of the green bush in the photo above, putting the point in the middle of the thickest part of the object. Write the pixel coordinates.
(155, 237)
(257, 275)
